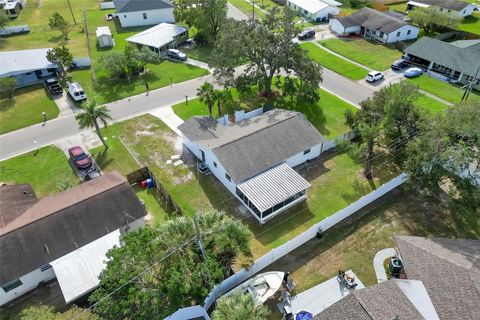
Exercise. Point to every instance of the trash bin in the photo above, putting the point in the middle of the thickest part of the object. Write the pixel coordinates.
(144, 184)
(149, 183)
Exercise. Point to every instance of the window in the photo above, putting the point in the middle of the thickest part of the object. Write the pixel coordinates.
(12, 285)
(408, 32)
(228, 177)
(124, 15)
(464, 11)
(306, 151)
(398, 34)
(214, 164)
(381, 34)
(144, 16)
(45, 268)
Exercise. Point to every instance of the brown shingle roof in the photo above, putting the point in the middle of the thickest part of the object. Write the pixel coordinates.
(449, 270)
(14, 200)
(59, 224)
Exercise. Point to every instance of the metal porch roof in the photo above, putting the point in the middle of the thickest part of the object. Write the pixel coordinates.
(273, 186)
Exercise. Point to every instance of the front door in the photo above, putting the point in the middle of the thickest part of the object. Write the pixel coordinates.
(203, 155)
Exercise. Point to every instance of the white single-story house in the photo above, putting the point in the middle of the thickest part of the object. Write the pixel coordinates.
(160, 38)
(374, 25)
(253, 154)
(104, 37)
(134, 13)
(462, 9)
(63, 236)
(315, 10)
(458, 61)
(26, 66)
(11, 8)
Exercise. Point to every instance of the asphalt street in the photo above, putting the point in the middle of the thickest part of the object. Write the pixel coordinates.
(36, 136)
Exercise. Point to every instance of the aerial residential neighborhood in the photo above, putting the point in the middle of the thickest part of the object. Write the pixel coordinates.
(239, 159)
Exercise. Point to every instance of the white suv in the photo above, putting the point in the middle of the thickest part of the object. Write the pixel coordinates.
(76, 91)
(374, 76)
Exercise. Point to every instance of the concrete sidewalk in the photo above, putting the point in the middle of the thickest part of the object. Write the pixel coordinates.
(378, 260)
(169, 117)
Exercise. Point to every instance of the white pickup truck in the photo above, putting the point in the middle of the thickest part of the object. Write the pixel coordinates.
(75, 91)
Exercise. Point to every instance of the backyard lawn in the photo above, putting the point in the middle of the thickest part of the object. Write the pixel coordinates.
(200, 53)
(471, 24)
(442, 89)
(372, 55)
(26, 108)
(430, 105)
(353, 244)
(46, 169)
(246, 8)
(326, 115)
(334, 63)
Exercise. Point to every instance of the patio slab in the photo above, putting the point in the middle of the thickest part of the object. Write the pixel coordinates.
(320, 297)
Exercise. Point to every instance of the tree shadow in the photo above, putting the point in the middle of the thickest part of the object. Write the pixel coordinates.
(7, 103)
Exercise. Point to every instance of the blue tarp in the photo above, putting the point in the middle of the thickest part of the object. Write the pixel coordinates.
(304, 315)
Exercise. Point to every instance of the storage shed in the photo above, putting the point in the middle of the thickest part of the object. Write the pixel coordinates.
(104, 37)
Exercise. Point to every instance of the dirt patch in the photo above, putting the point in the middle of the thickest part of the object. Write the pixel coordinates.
(144, 133)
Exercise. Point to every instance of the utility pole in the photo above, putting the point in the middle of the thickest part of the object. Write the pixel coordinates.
(199, 237)
(253, 10)
(469, 86)
(71, 11)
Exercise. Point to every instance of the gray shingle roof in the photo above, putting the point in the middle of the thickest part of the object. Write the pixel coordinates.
(449, 270)
(372, 19)
(467, 44)
(447, 4)
(65, 222)
(254, 145)
(383, 301)
(452, 56)
(140, 5)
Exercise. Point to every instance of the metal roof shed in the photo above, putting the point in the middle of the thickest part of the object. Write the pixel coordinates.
(104, 37)
(273, 191)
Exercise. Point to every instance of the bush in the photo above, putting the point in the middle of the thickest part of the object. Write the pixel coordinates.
(7, 87)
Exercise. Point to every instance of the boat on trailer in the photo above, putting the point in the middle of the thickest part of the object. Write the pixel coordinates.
(261, 287)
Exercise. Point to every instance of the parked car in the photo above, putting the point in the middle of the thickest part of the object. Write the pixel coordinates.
(75, 91)
(306, 34)
(374, 76)
(91, 174)
(399, 64)
(176, 54)
(413, 72)
(79, 157)
(53, 86)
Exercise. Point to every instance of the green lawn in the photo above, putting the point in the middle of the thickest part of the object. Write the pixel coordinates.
(442, 89)
(334, 63)
(326, 115)
(471, 24)
(46, 169)
(430, 105)
(200, 53)
(399, 7)
(26, 108)
(247, 8)
(151, 204)
(116, 157)
(372, 55)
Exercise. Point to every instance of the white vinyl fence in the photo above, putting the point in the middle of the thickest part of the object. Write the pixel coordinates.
(299, 240)
(330, 144)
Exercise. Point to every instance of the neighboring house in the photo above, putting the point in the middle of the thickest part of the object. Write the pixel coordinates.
(462, 9)
(12, 8)
(443, 279)
(63, 236)
(26, 66)
(189, 313)
(315, 10)
(134, 13)
(458, 61)
(374, 25)
(160, 38)
(253, 153)
(104, 37)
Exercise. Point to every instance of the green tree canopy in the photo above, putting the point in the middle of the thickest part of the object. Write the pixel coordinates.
(7, 86)
(267, 48)
(48, 313)
(206, 94)
(90, 116)
(167, 267)
(57, 22)
(4, 19)
(430, 18)
(447, 152)
(207, 16)
(60, 56)
(128, 63)
(239, 306)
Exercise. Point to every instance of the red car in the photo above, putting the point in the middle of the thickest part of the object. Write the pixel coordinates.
(79, 157)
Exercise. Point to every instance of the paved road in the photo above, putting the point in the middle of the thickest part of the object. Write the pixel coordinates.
(235, 13)
(21, 141)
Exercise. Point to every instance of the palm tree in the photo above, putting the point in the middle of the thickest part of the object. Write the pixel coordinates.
(90, 115)
(239, 306)
(219, 96)
(206, 93)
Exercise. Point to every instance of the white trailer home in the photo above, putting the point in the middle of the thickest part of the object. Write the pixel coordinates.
(134, 13)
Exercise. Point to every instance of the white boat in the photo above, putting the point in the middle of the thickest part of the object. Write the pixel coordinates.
(261, 287)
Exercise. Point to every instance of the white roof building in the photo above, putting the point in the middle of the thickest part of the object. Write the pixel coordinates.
(22, 61)
(102, 31)
(159, 36)
(316, 10)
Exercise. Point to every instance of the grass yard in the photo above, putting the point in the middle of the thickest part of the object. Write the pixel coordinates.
(334, 63)
(471, 24)
(46, 169)
(430, 105)
(26, 108)
(151, 204)
(372, 55)
(246, 8)
(399, 7)
(326, 115)
(353, 243)
(442, 89)
(200, 53)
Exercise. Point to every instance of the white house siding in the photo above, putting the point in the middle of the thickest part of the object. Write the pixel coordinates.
(336, 27)
(401, 34)
(135, 19)
(323, 14)
(302, 158)
(30, 281)
(467, 11)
